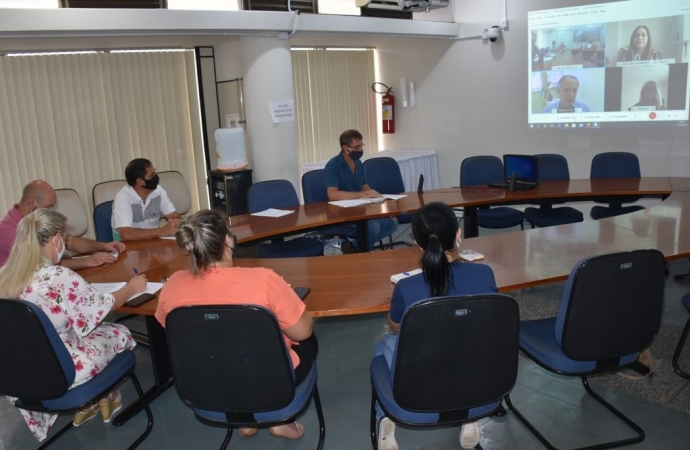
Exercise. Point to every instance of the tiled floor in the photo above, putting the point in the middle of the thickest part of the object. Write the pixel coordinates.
(556, 405)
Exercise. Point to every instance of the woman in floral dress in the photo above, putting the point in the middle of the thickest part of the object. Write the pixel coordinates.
(73, 306)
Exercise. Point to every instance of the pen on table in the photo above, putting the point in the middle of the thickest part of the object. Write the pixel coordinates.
(136, 272)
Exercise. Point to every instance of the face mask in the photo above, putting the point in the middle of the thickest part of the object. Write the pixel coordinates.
(354, 155)
(151, 184)
(60, 252)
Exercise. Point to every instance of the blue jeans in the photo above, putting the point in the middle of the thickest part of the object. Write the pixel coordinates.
(378, 229)
(385, 347)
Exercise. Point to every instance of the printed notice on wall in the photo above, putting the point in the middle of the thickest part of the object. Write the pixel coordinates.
(282, 111)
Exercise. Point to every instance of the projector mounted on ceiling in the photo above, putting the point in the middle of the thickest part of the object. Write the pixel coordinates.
(404, 5)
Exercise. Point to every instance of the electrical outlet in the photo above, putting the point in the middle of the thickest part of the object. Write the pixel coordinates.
(504, 23)
(485, 34)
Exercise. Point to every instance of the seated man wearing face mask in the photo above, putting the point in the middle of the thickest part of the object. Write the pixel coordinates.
(138, 207)
(39, 194)
(344, 180)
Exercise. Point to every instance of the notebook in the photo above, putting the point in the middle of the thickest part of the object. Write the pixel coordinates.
(525, 168)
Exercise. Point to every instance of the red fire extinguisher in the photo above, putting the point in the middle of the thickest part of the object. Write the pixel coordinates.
(387, 108)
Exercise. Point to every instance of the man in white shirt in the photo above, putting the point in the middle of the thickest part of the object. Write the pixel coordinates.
(139, 206)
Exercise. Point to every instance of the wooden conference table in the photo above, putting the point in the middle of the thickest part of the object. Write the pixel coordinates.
(360, 283)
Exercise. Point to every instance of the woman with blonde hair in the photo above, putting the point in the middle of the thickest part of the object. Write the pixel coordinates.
(650, 96)
(207, 238)
(73, 306)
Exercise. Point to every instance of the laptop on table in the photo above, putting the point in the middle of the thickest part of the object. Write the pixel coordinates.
(525, 169)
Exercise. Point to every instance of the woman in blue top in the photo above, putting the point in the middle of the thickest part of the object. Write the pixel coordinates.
(435, 230)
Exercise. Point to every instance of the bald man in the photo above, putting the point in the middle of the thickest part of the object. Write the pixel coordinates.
(39, 194)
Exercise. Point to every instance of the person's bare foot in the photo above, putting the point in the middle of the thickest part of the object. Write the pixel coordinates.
(292, 430)
(247, 432)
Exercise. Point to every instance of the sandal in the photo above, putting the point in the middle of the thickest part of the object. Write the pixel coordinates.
(80, 417)
(469, 434)
(247, 432)
(292, 430)
(110, 405)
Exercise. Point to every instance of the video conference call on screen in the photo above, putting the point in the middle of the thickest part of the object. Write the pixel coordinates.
(609, 65)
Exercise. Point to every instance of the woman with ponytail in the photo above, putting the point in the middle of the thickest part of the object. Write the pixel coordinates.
(211, 278)
(73, 306)
(435, 231)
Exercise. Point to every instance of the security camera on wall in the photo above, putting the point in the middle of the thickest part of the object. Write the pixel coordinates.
(492, 34)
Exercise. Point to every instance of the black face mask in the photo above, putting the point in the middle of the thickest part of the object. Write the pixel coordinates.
(151, 184)
(355, 155)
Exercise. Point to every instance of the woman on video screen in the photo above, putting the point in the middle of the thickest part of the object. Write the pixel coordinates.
(640, 48)
(650, 96)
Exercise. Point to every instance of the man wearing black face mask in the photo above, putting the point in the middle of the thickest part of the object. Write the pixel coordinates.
(138, 207)
(344, 179)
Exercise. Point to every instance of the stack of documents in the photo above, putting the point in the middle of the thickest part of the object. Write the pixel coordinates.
(109, 288)
(401, 276)
(365, 201)
(272, 212)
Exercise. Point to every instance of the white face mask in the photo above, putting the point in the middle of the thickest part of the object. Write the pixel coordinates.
(60, 252)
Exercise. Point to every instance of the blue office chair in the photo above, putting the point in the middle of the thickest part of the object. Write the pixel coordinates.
(231, 366)
(615, 165)
(451, 363)
(383, 175)
(101, 221)
(681, 341)
(280, 194)
(482, 170)
(552, 167)
(314, 191)
(39, 370)
(610, 311)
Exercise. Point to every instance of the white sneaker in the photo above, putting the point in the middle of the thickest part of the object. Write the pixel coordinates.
(469, 435)
(387, 435)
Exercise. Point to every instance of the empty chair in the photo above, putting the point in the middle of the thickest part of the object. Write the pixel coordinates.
(314, 190)
(69, 204)
(230, 364)
(178, 192)
(280, 194)
(41, 370)
(442, 372)
(383, 175)
(681, 342)
(610, 311)
(552, 168)
(482, 170)
(615, 165)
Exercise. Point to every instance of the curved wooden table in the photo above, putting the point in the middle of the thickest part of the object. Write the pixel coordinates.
(360, 283)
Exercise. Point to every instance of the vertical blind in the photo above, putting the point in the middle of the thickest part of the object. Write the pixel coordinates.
(76, 120)
(332, 94)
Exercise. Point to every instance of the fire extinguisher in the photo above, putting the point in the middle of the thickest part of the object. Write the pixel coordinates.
(387, 108)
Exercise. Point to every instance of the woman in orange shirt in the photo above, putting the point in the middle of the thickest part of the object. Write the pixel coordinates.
(210, 244)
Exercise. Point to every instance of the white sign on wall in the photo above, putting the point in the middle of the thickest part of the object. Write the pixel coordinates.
(282, 111)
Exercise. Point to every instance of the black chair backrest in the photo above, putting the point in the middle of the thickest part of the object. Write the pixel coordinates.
(271, 194)
(456, 352)
(383, 175)
(36, 363)
(313, 187)
(477, 170)
(612, 306)
(229, 358)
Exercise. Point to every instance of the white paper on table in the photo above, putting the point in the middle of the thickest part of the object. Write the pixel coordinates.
(394, 196)
(271, 212)
(356, 202)
(109, 288)
(172, 238)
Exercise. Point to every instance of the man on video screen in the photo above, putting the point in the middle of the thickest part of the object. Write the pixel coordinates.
(567, 93)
